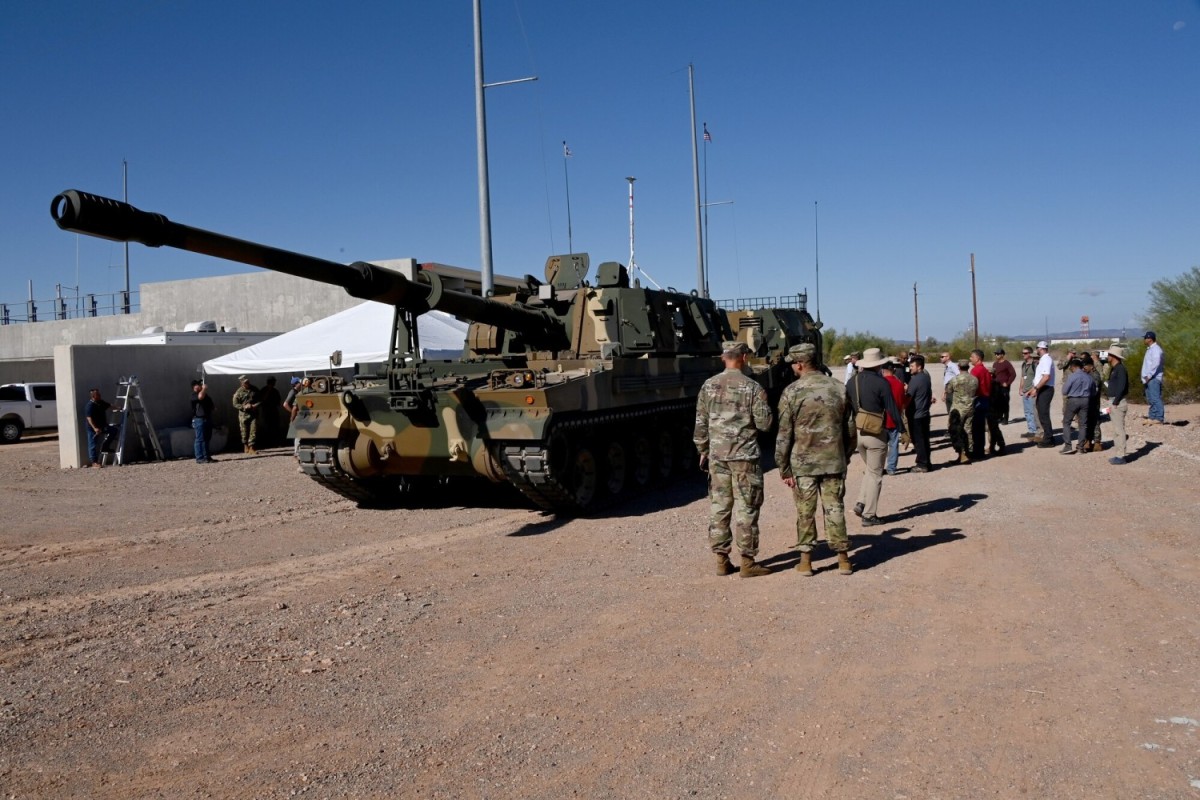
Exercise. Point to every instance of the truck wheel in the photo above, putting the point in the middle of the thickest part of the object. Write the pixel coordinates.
(10, 431)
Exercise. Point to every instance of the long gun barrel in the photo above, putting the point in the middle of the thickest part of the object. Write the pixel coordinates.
(81, 212)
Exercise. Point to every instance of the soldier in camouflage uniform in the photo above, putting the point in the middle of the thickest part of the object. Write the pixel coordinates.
(245, 400)
(963, 388)
(816, 437)
(731, 411)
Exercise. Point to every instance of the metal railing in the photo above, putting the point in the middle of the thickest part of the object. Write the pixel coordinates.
(784, 301)
(78, 306)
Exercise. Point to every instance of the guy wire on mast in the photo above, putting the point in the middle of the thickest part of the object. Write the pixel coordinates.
(817, 257)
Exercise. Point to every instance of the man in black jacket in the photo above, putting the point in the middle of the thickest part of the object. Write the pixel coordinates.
(869, 391)
(1118, 391)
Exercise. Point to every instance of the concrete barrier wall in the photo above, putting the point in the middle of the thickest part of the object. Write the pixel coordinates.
(257, 301)
(165, 373)
(27, 370)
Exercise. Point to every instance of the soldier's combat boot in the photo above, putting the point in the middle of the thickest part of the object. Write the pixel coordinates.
(724, 567)
(844, 567)
(251, 451)
(805, 565)
(963, 458)
(752, 570)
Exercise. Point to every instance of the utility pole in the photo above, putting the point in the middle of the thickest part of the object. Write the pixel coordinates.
(974, 304)
(916, 323)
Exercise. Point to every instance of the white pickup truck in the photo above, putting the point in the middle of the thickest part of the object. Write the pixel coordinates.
(26, 406)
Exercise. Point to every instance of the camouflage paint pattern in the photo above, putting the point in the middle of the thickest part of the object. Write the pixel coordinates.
(830, 492)
(735, 492)
(731, 411)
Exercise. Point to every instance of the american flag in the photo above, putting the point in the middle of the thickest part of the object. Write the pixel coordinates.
(566, 150)
(707, 135)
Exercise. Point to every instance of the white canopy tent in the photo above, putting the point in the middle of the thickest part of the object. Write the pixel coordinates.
(362, 333)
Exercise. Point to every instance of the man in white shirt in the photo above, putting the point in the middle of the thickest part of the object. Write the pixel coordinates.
(1152, 379)
(951, 371)
(1043, 390)
(851, 365)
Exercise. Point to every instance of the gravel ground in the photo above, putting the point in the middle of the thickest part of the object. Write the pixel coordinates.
(1021, 627)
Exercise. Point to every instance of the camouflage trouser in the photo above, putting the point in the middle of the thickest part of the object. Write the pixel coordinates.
(735, 491)
(829, 491)
(962, 428)
(248, 427)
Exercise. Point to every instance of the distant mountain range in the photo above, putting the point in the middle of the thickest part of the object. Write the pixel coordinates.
(1076, 336)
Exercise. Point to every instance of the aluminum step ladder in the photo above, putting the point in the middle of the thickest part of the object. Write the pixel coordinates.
(136, 420)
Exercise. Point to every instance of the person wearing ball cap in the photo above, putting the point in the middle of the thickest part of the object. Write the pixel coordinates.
(1043, 393)
(731, 411)
(1152, 379)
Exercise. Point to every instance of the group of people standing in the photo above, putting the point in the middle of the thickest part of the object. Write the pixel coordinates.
(253, 406)
(884, 399)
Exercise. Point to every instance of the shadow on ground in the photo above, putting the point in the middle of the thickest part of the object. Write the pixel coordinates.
(887, 545)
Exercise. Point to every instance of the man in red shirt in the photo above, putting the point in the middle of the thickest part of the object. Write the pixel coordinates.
(982, 402)
(893, 430)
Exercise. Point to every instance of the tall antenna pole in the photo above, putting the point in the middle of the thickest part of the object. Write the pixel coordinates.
(567, 180)
(485, 203)
(701, 277)
(706, 138)
(817, 256)
(632, 263)
(125, 184)
(916, 323)
(974, 304)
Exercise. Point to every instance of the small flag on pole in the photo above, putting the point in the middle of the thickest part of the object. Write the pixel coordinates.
(566, 150)
(707, 135)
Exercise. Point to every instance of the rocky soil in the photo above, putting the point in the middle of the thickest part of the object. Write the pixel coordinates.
(1022, 627)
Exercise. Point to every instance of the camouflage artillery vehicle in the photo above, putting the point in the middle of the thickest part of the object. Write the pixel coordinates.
(573, 393)
(769, 326)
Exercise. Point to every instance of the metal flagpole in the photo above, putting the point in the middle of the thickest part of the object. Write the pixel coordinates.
(701, 277)
(485, 205)
(125, 184)
(974, 304)
(567, 181)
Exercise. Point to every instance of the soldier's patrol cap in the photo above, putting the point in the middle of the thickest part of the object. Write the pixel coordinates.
(243, 378)
(801, 352)
(964, 363)
(735, 349)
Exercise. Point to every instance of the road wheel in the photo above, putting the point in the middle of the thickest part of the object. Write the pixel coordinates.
(664, 454)
(584, 477)
(641, 460)
(10, 431)
(616, 468)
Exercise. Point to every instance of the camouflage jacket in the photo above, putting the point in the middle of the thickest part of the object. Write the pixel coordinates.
(245, 395)
(730, 411)
(965, 386)
(816, 429)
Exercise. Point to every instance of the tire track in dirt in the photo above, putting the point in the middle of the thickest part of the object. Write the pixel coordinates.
(192, 594)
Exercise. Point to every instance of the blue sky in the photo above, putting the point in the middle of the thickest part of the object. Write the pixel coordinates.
(1059, 142)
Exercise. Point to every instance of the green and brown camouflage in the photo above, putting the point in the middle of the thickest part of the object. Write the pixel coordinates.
(769, 326)
(571, 391)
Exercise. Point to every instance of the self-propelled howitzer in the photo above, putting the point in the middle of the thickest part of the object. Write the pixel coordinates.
(574, 393)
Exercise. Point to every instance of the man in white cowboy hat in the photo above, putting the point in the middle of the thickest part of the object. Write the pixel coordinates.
(1118, 393)
(869, 392)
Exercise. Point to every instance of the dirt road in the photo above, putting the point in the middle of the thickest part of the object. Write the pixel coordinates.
(1022, 627)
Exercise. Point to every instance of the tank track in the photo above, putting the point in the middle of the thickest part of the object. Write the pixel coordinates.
(318, 459)
(528, 466)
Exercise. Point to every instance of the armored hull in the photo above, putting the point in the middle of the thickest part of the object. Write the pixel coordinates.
(576, 392)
